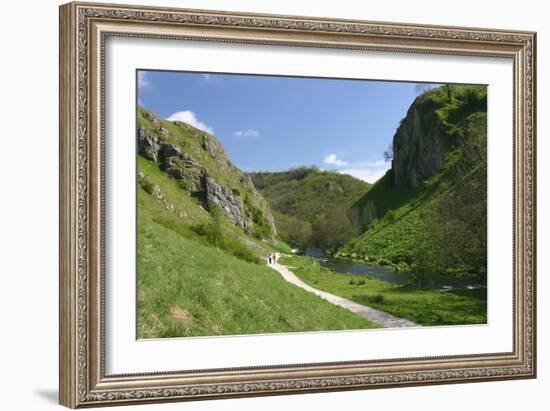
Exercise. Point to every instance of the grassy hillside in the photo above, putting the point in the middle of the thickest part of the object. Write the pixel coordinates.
(440, 225)
(306, 200)
(392, 234)
(198, 163)
(296, 192)
(198, 272)
(425, 307)
(188, 287)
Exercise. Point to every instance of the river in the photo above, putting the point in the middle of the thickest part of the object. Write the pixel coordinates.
(383, 273)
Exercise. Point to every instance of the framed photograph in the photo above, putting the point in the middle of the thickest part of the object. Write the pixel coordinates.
(259, 204)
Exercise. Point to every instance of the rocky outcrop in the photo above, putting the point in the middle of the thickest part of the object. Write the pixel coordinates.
(198, 180)
(148, 145)
(231, 205)
(419, 145)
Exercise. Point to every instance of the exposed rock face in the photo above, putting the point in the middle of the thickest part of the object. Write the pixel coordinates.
(230, 204)
(148, 145)
(197, 179)
(419, 145)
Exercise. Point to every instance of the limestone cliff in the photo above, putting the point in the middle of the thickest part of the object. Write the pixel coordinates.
(433, 125)
(199, 163)
(419, 145)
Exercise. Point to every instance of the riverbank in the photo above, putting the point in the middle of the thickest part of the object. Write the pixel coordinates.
(425, 307)
(394, 273)
(378, 317)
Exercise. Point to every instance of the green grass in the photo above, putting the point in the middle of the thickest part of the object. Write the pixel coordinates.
(393, 236)
(282, 247)
(173, 193)
(187, 287)
(425, 307)
(385, 196)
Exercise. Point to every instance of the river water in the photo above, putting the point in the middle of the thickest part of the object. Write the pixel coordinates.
(384, 273)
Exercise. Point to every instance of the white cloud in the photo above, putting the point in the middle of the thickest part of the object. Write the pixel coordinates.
(370, 174)
(143, 80)
(372, 164)
(189, 117)
(207, 77)
(378, 163)
(333, 160)
(250, 133)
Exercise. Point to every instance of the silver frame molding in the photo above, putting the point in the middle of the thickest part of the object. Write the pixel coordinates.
(84, 27)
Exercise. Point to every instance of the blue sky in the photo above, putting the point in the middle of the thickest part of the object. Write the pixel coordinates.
(270, 123)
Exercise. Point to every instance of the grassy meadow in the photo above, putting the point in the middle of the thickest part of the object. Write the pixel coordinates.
(422, 306)
(190, 287)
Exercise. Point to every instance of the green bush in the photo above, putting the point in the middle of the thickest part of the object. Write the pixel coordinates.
(358, 281)
(212, 234)
(147, 184)
(383, 261)
(235, 247)
(186, 185)
(377, 298)
(390, 216)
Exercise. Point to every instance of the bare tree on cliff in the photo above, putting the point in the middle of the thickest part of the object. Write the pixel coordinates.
(388, 154)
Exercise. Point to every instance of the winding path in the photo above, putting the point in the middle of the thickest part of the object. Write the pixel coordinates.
(380, 317)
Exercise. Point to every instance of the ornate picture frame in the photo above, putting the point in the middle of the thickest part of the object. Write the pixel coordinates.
(84, 29)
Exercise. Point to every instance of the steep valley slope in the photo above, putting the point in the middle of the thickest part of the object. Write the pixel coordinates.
(430, 207)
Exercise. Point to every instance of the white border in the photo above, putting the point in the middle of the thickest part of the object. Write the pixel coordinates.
(124, 354)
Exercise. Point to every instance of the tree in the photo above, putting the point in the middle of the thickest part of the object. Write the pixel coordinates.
(212, 231)
(292, 230)
(388, 154)
(424, 256)
(453, 236)
(421, 88)
(333, 231)
(449, 91)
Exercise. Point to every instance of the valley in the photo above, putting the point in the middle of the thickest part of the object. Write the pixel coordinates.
(411, 244)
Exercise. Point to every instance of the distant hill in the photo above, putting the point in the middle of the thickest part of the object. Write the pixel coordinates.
(435, 192)
(310, 205)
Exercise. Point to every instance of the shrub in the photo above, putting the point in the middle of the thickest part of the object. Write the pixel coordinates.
(377, 298)
(383, 261)
(147, 184)
(358, 281)
(212, 234)
(390, 216)
(261, 229)
(186, 185)
(216, 213)
(239, 250)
